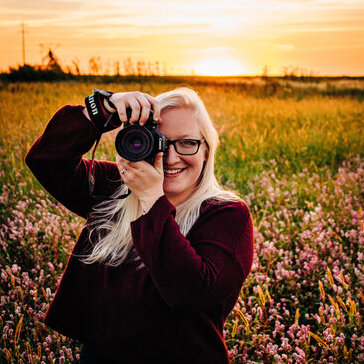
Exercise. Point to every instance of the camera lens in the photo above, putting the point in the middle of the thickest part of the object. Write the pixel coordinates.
(137, 143)
(134, 143)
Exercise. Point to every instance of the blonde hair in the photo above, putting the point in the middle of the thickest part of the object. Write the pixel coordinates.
(109, 222)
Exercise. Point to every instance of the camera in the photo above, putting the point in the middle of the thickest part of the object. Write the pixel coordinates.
(140, 142)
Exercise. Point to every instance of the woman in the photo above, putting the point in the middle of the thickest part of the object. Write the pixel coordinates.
(152, 277)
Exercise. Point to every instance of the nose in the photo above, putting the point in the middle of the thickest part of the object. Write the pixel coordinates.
(172, 156)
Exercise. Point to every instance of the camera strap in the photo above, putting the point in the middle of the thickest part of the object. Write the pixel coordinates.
(91, 179)
(103, 119)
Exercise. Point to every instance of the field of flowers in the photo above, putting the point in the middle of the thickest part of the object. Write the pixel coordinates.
(299, 164)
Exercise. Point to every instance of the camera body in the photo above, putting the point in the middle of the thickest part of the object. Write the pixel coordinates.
(140, 142)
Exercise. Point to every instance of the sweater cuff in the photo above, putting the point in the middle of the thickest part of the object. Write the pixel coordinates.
(147, 230)
(101, 118)
(160, 211)
(85, 119)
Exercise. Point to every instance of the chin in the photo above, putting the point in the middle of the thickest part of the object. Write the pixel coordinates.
(170, 192)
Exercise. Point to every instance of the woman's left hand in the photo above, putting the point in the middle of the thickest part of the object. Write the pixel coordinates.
(144, 180)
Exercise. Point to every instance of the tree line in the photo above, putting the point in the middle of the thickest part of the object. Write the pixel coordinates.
(51, 69)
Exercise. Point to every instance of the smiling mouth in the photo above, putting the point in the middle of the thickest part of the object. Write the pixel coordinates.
(173, 171)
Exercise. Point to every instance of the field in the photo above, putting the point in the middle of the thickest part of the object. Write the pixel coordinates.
(296, 155)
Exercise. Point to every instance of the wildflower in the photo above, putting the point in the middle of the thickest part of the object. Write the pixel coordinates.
(15, 268)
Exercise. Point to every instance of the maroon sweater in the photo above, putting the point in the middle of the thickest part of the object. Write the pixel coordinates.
(174, 309)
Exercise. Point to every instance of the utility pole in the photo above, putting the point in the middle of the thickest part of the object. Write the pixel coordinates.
(23, 41)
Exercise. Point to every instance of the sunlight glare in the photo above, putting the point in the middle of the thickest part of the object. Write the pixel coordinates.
(218, 66)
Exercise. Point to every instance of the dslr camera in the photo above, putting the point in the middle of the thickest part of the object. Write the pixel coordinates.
(137, 142)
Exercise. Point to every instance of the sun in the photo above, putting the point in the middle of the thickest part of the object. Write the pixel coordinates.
(218, 66)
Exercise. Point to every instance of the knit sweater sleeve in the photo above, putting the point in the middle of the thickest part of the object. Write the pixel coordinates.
(204, 268)
(56, 160)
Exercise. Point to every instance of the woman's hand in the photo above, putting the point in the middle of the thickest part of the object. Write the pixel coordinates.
(144, 180)
(140, 104)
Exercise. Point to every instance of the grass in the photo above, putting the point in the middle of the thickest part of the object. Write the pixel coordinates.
(297, 158)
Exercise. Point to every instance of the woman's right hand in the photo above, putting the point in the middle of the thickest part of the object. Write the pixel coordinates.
(140, 104)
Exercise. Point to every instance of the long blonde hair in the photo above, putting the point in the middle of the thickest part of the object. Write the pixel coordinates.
(109, 221)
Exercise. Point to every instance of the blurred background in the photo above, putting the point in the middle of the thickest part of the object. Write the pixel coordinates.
(199, 37)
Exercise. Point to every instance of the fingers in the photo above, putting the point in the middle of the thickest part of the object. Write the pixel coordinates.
(158, 162)
(135, 109)
(155, 105)
(123, 163)
(128, 168)
(122, 166)
(121, 109)
(140, 105)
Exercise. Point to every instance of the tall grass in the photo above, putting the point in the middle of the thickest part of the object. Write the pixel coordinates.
(297, 160)
(314, 131)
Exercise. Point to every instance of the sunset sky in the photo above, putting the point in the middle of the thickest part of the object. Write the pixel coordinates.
(215, 37)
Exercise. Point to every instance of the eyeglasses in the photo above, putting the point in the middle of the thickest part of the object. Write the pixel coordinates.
(185, 146)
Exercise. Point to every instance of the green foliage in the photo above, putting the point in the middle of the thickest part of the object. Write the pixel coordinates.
(28, 73)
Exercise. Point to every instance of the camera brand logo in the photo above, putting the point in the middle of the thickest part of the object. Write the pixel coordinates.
(93, 105)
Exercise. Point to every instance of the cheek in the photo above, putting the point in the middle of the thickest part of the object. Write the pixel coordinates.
(194, 161)
(198, 164)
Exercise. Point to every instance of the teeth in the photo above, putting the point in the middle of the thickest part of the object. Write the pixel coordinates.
(172, 171)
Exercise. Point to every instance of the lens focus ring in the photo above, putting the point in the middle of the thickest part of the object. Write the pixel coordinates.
(134, 143)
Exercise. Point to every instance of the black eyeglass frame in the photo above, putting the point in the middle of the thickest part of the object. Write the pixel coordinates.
(173, 142)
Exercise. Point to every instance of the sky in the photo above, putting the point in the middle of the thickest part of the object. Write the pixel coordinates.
(210, 37)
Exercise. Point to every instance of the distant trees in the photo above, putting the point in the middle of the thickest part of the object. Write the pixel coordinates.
(76, 65)
(129, 67)
(35, 73)
(51, 68)
(295, 72)
(141, 68)
(95, 65)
